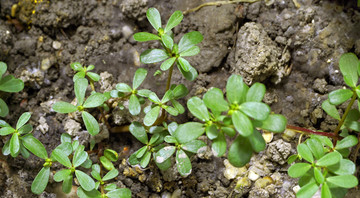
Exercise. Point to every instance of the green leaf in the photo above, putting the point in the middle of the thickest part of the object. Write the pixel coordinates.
(308, 190)
(143, 92)
(188, 131)
(88, 194)
(324, 140)
(256, 92)
(168, 41)
(154, 98)
(6, 131)
(218, 145)
(330, 109)
(94, 100)
(329, 159)
(304, 151)
(108, 165)
(6, 148)
(154, 18)
(87, 164)
(347, 142)
(111, 174)
(163, 154)
(145, 159)
(93, 76)
(174, 20)
(194, 146)
(139, 77)
(27, 128)
(236, 89)
(122, 87)
(67, 184)
(11, 84)
(274, 122)
(229, 131)
(151, 116)
(119, 193)
(179, 108)
(298, 170)
(96, 171)
(61, 157)
(344, 167)
(214, 100)
(76, 66)
(34, 146)
(138, 131)
(292, 159)
(172, 111)
(325, 191)
(153, 56)
(80, 90)
(319, 177)
(3, 68)
(24, 118)
(134, 105)
(185, 65)
(145, 36)
(62, 175)
(242, 123)
(339, 96)
(25, 153)
(183, 163)
(140, 153)
(66, 148)
(344, 181)
(167, 96)
(79, 75)
(91, 123)
(4, 109)
(110, 187)
(190, 39)
(192, 51)
(111, 155)
(316, 147)
(198, 109)
(256, 110)
(190, 75)
(85, 181)
(240, 152)
(64, 107)
(179, 91)
(170, 139)
(79, 157)
(14, 145)
(257, 141)
(211, 131)
(348, 64)
(167, 64)
(41, 180)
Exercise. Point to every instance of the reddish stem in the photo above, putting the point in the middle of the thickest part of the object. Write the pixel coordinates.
(311, 131)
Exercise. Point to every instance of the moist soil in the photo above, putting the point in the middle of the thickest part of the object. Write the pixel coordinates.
(292, 46)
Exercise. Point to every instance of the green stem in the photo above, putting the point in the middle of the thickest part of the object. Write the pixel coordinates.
(169, 77)
(348, 108)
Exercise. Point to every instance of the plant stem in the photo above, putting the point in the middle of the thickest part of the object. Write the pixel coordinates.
(308, 131)
(344, 116)
(217, 3)
(169, 77)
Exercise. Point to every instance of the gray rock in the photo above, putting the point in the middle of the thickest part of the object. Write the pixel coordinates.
(279, 151)
(134, 9)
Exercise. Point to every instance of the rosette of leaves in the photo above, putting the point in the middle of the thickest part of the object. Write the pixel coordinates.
(9, 84)
(123, 89)
(172, 53)
(94, 100)
(83, 71)
(244, 113)
(325, 167)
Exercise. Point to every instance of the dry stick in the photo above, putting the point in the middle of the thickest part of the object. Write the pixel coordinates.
(217, 3)
(308, 131)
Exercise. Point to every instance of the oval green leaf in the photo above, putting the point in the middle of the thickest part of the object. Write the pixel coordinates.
(154, 18)
(240, 152)
(64, 107)
(139, 132)
(298, 170)
(190, 39)
(236, 89)
(152, 116)
(198, 109)
(41, 180)
(256, 110)
(183, 163)
(188, 131)
(214, 100)
(174, 20)
(340, 96)
(85, 181)
(153, 56)
(242, 123)
(91, 124)
(145, 36)
(35, 146)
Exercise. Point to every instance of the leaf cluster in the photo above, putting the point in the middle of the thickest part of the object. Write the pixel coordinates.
(83, 72)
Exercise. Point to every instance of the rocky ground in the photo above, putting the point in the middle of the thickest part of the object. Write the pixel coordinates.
(291, 46)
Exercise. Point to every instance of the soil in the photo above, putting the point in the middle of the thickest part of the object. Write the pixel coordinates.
(293, 47)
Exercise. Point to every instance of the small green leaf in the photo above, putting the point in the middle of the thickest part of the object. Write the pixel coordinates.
(111, 174)
(11, 84)
(14, 145)
(190, 75)
(185, 65)
(167, 96)
(329, 159)
(198, 109)
(93, 76)
(25, 153)
(153, 56)
(168, 41)
(319, 177)
(4, 109)
(256, 92)
(179, 91)
(304, 151)
(316, 147)
(192, 51)
(143, 92)
(256, 110)
(172, 111)
(27, 128)
(325, 191)
(347, 142)
(110, 187)
(134, 105)
(151, 116)
(3, 68)
(86, 182)
(229, 131)
(292, 159)
(324, 140)
(190, 39)
(62, 175)
(119, 193)
(6, 131)
(139, 77)
(91, 124)
(344, 167)
(111, 155)
(298, 170)
(218, 145)
(66, 148)
(122, 87)
(236, 89)
(67, 184)
(194, 146)
(214, 100)
(167, 64)
(6, 148)
(163, 154)
(145, 159)
(61, 157)
(170, 139)
(348, 64)
(174, 20)
(274, 122)
(79, 75)
(80, 89)
(145, 36)
(344, 181)
(138, 131)
(308, 190)
(96, 171)
(80, 156)
(189, 131)
(183, 163)
(108, 165)
(179, 108)
(34, 146)
(242, 123)
(64, 107)
(211, 132)
(140, 153)
(330, 109)
(76, 66)
(339, 96)
(88, 194)
(94, 100)
(240, 152)
(257, 141)
(24, 118)
(154, 18)
(41, 180)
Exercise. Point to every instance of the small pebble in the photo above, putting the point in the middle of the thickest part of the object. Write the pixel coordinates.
(253, 176)
(56, 45)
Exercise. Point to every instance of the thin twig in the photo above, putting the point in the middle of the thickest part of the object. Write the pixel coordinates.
(217, 3)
